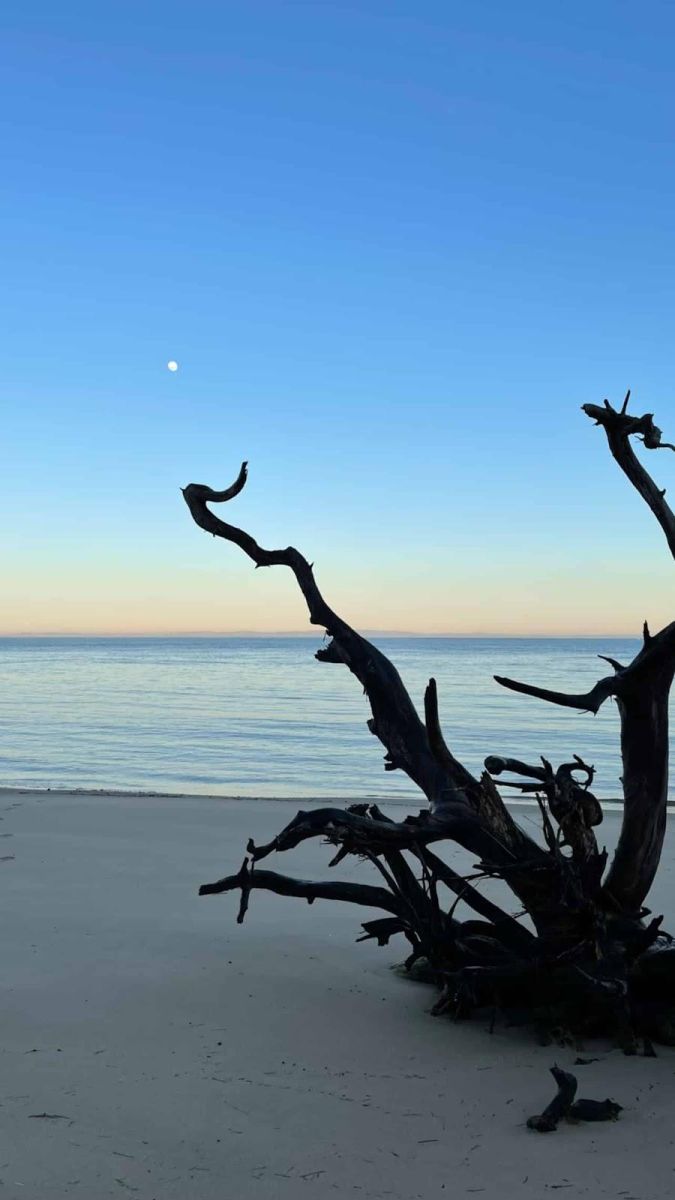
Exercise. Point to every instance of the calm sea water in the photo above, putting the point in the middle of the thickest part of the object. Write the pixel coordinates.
(261, 717)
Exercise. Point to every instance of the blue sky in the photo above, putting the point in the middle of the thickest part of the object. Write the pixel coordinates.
(394, 248)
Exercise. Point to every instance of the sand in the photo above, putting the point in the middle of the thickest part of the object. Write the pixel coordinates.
(182, 1056)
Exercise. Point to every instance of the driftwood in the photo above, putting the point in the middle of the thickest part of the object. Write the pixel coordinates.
(590, 958)
(550, 1118)
(563, 1106)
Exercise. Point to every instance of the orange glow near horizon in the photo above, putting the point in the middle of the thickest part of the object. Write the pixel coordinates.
(237, 600)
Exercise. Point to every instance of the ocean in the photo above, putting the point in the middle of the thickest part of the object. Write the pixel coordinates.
(259, 716)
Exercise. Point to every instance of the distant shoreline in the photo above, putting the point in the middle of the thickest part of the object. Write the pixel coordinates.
(316, 633)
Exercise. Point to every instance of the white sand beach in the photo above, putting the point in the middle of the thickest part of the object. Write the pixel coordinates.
(153, 1048)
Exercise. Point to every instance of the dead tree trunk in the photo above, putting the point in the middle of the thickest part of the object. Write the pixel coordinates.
(590, 959)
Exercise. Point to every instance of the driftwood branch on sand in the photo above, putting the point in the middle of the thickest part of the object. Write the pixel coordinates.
(587, 957)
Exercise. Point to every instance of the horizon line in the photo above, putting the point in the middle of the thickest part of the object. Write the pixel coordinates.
(279, 633)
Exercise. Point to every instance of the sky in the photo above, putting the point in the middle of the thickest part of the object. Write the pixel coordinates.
(393, 248)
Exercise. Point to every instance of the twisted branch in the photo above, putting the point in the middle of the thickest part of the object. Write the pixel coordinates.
(619, 428)
(395, 721)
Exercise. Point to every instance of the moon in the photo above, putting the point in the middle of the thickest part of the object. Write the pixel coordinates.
(172, 364)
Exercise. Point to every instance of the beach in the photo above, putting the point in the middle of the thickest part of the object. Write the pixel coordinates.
(151, 1047)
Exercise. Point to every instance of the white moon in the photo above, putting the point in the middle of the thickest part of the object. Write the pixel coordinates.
(172, 365)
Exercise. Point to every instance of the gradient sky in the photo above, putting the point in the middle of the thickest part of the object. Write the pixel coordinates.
(394, 248)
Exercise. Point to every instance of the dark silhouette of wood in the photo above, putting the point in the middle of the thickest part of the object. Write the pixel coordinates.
(550, 1118)
(563, 1106)
(589, 959)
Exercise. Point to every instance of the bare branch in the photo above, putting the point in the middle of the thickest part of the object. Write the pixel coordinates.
(642, 697)
(395, 721)
(358, 832)
(619, 428)
(612, 662)
(305, 889)
(657, 653)
(641, 690)
(201, 492)
(495, 764)
(438, 744)
(462, 808)
(586, 701)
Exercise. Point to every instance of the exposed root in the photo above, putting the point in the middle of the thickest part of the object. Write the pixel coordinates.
(590, 962)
